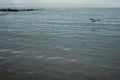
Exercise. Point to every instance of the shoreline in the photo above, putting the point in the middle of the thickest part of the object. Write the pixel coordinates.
(17, 10)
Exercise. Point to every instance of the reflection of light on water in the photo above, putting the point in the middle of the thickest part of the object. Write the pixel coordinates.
(40, 56)
(66, 49)
(109, 67)
(15, 52)
(88, 59)
(5, 50)
(63, 48)
(55, 58)
(30, 72)
(72, 60)
(1, 57)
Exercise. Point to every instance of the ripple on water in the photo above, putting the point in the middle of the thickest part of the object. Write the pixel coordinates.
(67, 49)
(1, 57)
(4, 50)
(89, 59)
(109, 67)
(15, 52)
(73, 60)
(30, 72)
(40, 56)
(54, 58)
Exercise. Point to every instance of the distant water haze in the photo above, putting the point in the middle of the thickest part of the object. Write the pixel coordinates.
(60, 3)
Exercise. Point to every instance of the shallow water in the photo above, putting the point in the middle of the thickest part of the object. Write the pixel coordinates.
(60, 44)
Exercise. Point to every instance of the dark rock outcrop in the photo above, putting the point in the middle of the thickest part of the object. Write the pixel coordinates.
(16, 10)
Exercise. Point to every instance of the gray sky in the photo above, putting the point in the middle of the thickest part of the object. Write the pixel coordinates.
(60, 3)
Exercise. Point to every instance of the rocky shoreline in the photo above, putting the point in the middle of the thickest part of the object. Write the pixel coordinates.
(17, 10)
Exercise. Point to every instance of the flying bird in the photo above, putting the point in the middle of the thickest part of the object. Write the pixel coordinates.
(94, 20)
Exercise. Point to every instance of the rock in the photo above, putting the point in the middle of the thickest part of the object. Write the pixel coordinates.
(16, 10)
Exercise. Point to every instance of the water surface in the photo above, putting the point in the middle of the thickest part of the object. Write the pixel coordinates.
(60, 44)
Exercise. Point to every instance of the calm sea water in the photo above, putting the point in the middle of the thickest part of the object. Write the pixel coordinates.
(60, 44)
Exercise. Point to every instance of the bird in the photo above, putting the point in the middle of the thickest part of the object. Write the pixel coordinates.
(94, 20)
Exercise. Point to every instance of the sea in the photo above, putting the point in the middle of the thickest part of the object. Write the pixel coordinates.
(60, 44)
